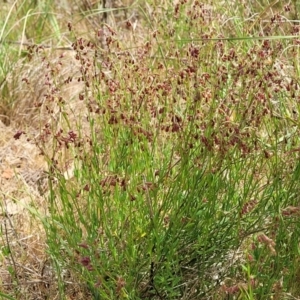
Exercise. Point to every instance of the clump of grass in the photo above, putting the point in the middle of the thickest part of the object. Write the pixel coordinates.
(24, 23)
(184, 159)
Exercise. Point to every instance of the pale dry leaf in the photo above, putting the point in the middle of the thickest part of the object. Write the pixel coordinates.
(11, 207)
(8, 173)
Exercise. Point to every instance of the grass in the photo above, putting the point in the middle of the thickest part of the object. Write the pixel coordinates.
(170, 133)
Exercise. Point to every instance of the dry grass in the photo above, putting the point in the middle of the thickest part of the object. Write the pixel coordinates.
(23, 237)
